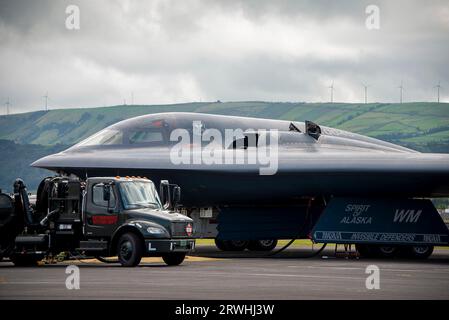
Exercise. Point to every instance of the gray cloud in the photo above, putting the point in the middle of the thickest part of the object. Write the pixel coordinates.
(178, 51)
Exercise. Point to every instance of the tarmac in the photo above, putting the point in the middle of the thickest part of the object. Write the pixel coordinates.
(211, 274)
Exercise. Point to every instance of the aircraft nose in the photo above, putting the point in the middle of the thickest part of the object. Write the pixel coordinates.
(49, 162)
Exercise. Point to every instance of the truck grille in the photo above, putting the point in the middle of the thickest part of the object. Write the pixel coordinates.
(179, 229)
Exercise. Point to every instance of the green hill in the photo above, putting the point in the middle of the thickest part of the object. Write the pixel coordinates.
(423, 126)
(26, 137)
(15, 163)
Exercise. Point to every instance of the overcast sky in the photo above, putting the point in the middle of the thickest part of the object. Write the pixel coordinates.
(183, 51)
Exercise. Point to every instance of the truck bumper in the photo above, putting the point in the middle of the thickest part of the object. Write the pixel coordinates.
(160, 246)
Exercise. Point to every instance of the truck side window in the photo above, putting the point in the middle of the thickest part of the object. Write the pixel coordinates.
(97, 196)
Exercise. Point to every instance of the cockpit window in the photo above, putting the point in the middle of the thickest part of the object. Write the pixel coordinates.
(145, 136)
(135, 136)
(104, 137)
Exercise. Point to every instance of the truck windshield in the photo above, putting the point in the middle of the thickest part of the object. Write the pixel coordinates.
(139, 194)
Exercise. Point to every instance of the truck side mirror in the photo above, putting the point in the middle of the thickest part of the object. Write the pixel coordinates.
(107, 192)
(164, 193)
(176, 195)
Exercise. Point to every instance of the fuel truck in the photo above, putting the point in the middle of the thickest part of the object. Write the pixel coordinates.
(97, 217)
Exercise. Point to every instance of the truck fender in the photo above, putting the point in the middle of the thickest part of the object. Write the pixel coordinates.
(139, 228)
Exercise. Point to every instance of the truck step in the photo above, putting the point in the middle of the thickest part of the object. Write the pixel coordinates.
(31, 240)
(93, 245)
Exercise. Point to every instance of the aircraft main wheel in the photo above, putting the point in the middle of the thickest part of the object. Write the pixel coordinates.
(385, 251)
(364, 250)
(174, 259)
(231, 245)
(221, 244)
(417, 252)
(237, 245)
(129, 250)
(376, 251)
(262, 245)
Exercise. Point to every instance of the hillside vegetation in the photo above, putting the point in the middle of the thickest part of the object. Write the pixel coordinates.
(422, 126)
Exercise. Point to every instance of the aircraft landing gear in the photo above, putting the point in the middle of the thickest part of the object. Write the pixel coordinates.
(231, 245)
(417, 252)
(240, 245)
(262, 245)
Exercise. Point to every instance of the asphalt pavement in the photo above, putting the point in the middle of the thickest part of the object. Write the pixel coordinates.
(210, 274)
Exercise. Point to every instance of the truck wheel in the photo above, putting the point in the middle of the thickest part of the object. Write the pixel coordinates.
(173, 259)
(262, 245)
(24, 260)
(417, 252)
(129, 250)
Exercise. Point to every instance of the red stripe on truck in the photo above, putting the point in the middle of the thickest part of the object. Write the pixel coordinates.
(104, 219)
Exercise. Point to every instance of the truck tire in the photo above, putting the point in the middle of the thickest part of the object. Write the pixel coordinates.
(21, 260)
(417, 252)
(129, 250)
(262, 245)
(174, 259)
(231, 245)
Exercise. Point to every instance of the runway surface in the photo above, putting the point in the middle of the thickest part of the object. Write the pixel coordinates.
(214, 275)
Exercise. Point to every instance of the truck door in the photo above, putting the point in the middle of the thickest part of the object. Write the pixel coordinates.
(101, 211)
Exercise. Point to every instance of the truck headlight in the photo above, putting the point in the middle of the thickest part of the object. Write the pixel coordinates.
(155, 230)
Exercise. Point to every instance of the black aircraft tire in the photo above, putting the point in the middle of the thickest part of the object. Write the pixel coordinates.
(174, 259)
(384, 252)
(24, 260)
(129, 250)
(364, 250)
(417, 252)
(237, 245)
(231, 245)
(221, 244)
(262, 245)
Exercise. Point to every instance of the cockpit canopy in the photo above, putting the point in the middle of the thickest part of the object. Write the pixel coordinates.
(160, 130)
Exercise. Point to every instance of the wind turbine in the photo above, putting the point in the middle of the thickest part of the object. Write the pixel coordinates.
(332, 91)
(46, 101)
(366, 92)
(401, 88)
(7, 107)
(438, 90)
